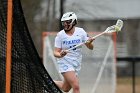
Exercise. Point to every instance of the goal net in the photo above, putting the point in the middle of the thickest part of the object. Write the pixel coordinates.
(98, 74)
(21, 69)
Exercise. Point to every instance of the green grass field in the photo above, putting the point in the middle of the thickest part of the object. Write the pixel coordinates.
(124, 85)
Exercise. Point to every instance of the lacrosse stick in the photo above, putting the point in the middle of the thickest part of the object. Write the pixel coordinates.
(115, 28)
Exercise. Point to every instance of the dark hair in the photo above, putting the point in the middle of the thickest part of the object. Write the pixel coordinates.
(74, 22)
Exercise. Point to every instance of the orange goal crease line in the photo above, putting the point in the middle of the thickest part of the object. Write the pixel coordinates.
(9, 45)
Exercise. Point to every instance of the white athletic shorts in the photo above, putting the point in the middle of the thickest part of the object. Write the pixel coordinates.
(66, 65)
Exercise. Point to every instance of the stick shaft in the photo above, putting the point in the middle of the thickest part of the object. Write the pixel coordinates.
(98, 35)
(75, 46)
(86, 41)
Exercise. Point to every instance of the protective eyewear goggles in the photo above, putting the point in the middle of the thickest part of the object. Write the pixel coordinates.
(67, 22)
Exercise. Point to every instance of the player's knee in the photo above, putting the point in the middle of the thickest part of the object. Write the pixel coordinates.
(76, 87)
(66, 89)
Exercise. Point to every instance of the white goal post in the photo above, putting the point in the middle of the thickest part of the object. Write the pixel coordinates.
(98, 72)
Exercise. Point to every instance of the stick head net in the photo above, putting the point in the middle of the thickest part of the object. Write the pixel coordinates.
(119, 25)
(115, 28)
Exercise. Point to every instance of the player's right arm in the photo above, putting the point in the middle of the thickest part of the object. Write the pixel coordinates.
(59, 53)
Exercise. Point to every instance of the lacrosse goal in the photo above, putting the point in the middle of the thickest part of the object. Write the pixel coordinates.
(98, 72)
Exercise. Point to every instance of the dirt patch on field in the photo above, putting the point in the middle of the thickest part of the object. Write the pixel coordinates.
(124, 85)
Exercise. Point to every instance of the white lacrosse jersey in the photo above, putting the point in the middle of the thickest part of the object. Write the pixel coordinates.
(65, 42)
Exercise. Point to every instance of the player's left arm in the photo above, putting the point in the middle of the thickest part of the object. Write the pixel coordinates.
(89, 43)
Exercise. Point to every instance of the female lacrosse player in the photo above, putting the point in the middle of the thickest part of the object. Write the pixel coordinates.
(69, 62)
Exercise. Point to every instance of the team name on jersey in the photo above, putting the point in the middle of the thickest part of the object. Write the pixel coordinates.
(71, 42)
